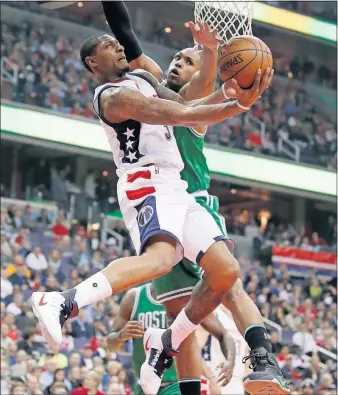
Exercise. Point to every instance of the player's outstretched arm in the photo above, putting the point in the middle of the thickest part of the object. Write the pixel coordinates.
(118, 19)
(122, 328)
(212, 325)
(117, 105)
(203, 81)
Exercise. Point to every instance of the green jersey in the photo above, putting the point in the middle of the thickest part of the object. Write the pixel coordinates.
(149, 313)
(196, 171)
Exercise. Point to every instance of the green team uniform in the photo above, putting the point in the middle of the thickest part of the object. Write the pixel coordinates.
(185, 275)
(150, 313)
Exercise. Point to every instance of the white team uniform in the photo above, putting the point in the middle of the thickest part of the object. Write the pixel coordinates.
(213, 355)
(152, 196)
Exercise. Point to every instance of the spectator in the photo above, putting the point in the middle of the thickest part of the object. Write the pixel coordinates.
(43, 217)
(80, 327)
(59, 229)
(59, 378)
(27, 342)
(90, 385)
(55, 264)
(16, 306)
(304, 340)
(36, 260)
(75, 377)
(6, 284)
(275, 341)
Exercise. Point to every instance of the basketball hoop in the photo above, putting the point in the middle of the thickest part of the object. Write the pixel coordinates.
(230, 18)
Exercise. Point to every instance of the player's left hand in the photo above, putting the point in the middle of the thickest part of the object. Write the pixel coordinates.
(225, 373)
(203, 35)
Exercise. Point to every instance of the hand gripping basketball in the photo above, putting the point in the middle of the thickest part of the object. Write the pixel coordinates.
(247, 97)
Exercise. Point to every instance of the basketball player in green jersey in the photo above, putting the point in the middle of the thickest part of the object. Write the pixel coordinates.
(192, 74)
(139, 310)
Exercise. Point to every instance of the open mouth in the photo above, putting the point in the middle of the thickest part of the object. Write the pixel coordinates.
(122, 58)
(174, 72)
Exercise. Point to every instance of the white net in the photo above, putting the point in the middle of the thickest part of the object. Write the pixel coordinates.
(230, 18)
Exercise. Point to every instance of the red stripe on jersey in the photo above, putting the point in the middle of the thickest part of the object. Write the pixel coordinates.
(139, 174)
(140, 193)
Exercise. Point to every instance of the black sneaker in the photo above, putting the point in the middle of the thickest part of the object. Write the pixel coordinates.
(267, 378)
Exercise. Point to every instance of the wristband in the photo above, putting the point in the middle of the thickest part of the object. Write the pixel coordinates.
(242, 107)
(224, 92)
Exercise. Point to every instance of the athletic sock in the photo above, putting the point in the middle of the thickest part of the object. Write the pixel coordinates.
(178, 331)
(190, 386)
(257, 336)
(90, 291)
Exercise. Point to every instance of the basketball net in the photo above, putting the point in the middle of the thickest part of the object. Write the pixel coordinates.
(230, 18)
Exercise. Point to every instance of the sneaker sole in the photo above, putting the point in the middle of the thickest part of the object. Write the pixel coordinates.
(264, 387)
(49, 340)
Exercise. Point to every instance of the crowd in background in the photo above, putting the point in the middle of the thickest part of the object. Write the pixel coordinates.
(42, 250)
(318, 9)
(51, 76)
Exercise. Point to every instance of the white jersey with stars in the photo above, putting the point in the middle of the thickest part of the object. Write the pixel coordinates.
(136, 144)
(212, 354)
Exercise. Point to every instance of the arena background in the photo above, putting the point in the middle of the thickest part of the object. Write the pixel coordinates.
(273, 170)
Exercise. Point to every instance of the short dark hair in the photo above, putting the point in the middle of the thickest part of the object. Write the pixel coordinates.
(88, 47)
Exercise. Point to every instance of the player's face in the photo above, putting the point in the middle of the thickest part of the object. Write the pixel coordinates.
(110, 57)
(182, 68)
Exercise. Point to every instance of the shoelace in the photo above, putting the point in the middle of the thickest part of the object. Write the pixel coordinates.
(256, 360)
(65, 311)
(160, 362)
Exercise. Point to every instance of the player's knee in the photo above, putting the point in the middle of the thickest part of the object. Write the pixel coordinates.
(161, 264)
(224, 274)
(230, 272)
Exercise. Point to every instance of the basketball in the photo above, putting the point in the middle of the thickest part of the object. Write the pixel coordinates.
(241, 57)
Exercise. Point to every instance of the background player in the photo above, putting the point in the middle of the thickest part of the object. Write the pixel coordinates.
(213, 355)
(126, 104)
(174, 288)
(139, 310)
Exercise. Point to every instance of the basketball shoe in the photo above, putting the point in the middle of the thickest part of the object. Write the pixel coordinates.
(266, 377)
(52, 309)
(159, 358)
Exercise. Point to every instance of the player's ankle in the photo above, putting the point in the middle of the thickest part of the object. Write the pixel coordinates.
(256, 336)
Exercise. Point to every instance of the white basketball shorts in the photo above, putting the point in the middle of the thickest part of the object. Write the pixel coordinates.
(154, 201)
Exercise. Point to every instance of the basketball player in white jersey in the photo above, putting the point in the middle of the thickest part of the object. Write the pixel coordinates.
(162, 218)
(214, 358)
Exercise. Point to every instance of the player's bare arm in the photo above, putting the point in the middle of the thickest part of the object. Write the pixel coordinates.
(120, 104)
(123, 329)
(227, 344)
(203, 81)
(119, 21)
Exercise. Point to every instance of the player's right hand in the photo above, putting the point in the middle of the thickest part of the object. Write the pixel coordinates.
(247, 97)
(133, 330)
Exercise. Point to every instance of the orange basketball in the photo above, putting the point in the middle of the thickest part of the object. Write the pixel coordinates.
(241, 57)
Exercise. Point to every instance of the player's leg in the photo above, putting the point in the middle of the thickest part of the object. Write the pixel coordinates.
(155, 235)
(54, 308)
(248, 321)
(173, 290)
(202, 243)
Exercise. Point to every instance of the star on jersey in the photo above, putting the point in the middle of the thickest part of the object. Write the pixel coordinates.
(129, 133)
(129, 144)
(132, 156)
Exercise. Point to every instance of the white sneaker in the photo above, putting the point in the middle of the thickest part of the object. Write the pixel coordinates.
(52, 311)
(158, 360)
